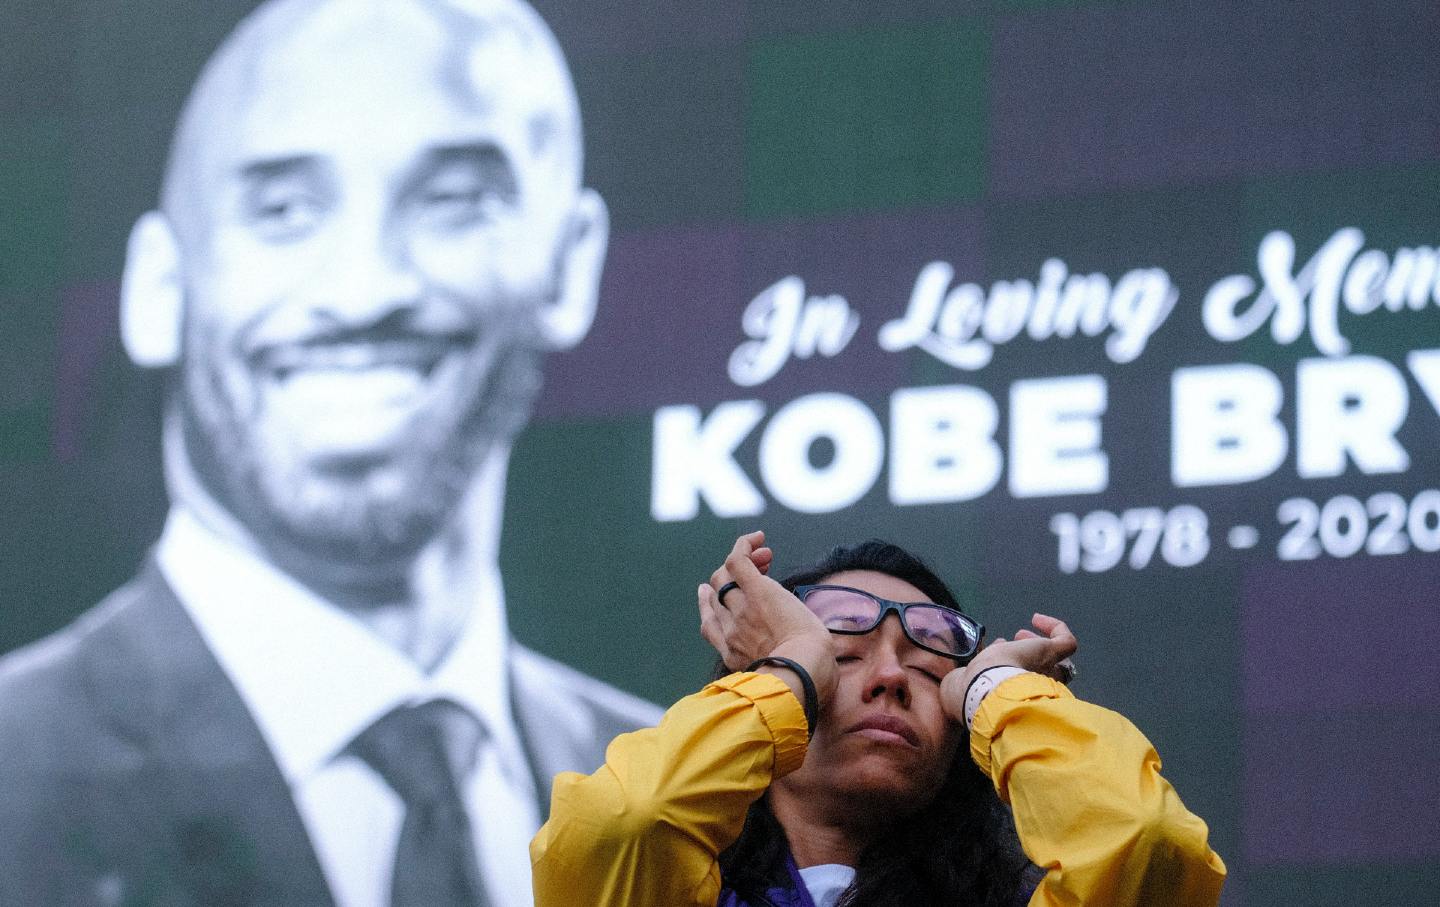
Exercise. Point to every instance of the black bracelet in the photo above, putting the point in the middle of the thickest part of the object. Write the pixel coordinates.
(811, 704)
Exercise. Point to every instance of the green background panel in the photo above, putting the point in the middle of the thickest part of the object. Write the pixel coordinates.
(615, 583)
(1394, 206)
(32, 203)
(37, 48)
(865, 119)
(27, 368)
(24, 431)
(117, 162)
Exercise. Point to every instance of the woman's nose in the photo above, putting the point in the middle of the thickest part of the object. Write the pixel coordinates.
(887, 675)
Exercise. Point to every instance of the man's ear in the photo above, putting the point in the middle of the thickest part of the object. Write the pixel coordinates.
(566, 320)
(152, 293)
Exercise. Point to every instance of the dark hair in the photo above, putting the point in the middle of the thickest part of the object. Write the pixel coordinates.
(961, 848)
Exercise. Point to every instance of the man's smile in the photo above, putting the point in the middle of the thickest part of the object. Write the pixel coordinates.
(361, 393)
(417, 352)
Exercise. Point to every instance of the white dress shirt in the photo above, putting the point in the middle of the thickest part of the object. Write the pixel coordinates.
(826, 882)
(313, 678)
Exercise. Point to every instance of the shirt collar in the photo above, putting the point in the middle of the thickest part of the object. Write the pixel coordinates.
(314, 677)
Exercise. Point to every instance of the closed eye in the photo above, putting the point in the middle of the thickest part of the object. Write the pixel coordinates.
(927, 672)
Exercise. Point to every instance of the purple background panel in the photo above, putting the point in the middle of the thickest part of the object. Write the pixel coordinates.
(671, 303)
(669, 306)
(1340, 788)
(1356, 634)
(1340, 675)
(88, 331)
(1129, 95)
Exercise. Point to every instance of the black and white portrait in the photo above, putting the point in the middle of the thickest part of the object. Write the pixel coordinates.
(371, 231)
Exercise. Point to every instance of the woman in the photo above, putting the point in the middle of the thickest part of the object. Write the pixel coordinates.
(731, 800)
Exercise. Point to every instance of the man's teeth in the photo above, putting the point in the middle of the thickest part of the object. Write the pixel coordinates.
(324, 391)
(354, 357)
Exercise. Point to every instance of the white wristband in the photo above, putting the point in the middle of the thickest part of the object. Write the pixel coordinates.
(982, 684)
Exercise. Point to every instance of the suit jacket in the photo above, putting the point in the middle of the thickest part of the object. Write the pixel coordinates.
(131, 772)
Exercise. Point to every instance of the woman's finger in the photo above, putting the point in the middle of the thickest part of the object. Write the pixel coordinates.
(762, 558)
(722, 616)
(741, 568)
(747, 543)
(705, 598)
(724, 591)
(1052, 627)
(709, 625)
(738, 560)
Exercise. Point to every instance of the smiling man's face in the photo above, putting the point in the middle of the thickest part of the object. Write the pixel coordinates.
(368, 228)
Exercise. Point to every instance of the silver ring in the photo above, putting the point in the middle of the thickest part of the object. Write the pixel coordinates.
(1065, 671)
(720, 595)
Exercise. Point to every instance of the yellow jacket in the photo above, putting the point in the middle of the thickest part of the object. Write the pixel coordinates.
(1090, 805)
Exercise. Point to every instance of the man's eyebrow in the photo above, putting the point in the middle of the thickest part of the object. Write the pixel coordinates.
(487, 155)
(268, 168)
(480, 148)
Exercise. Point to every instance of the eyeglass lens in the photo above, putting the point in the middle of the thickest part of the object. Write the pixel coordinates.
(849, 610)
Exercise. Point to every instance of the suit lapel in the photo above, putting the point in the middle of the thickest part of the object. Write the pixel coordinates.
(544, 733)
(222, 827)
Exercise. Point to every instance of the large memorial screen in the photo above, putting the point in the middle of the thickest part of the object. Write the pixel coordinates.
(1126, 312)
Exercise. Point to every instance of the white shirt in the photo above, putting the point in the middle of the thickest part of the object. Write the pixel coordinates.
(826, 882)
(314, 678)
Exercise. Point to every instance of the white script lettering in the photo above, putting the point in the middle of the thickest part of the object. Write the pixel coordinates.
(783, 323)
(1339, 272)
(962, 325)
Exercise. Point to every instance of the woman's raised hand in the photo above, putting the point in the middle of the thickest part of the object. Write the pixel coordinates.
(759, 617)
(1040, 652)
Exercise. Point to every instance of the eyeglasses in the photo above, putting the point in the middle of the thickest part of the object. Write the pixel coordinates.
(934, 628)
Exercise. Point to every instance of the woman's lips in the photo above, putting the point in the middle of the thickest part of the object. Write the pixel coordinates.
(886, 729)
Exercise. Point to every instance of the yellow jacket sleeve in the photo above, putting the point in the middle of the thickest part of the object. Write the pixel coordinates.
(1090, 804)
(647, 828)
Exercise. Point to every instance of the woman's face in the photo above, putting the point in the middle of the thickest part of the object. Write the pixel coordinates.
(884, 739)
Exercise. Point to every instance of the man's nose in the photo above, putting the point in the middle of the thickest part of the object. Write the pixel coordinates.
(370, 275)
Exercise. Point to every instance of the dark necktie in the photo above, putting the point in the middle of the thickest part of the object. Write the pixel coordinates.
(421, 751)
